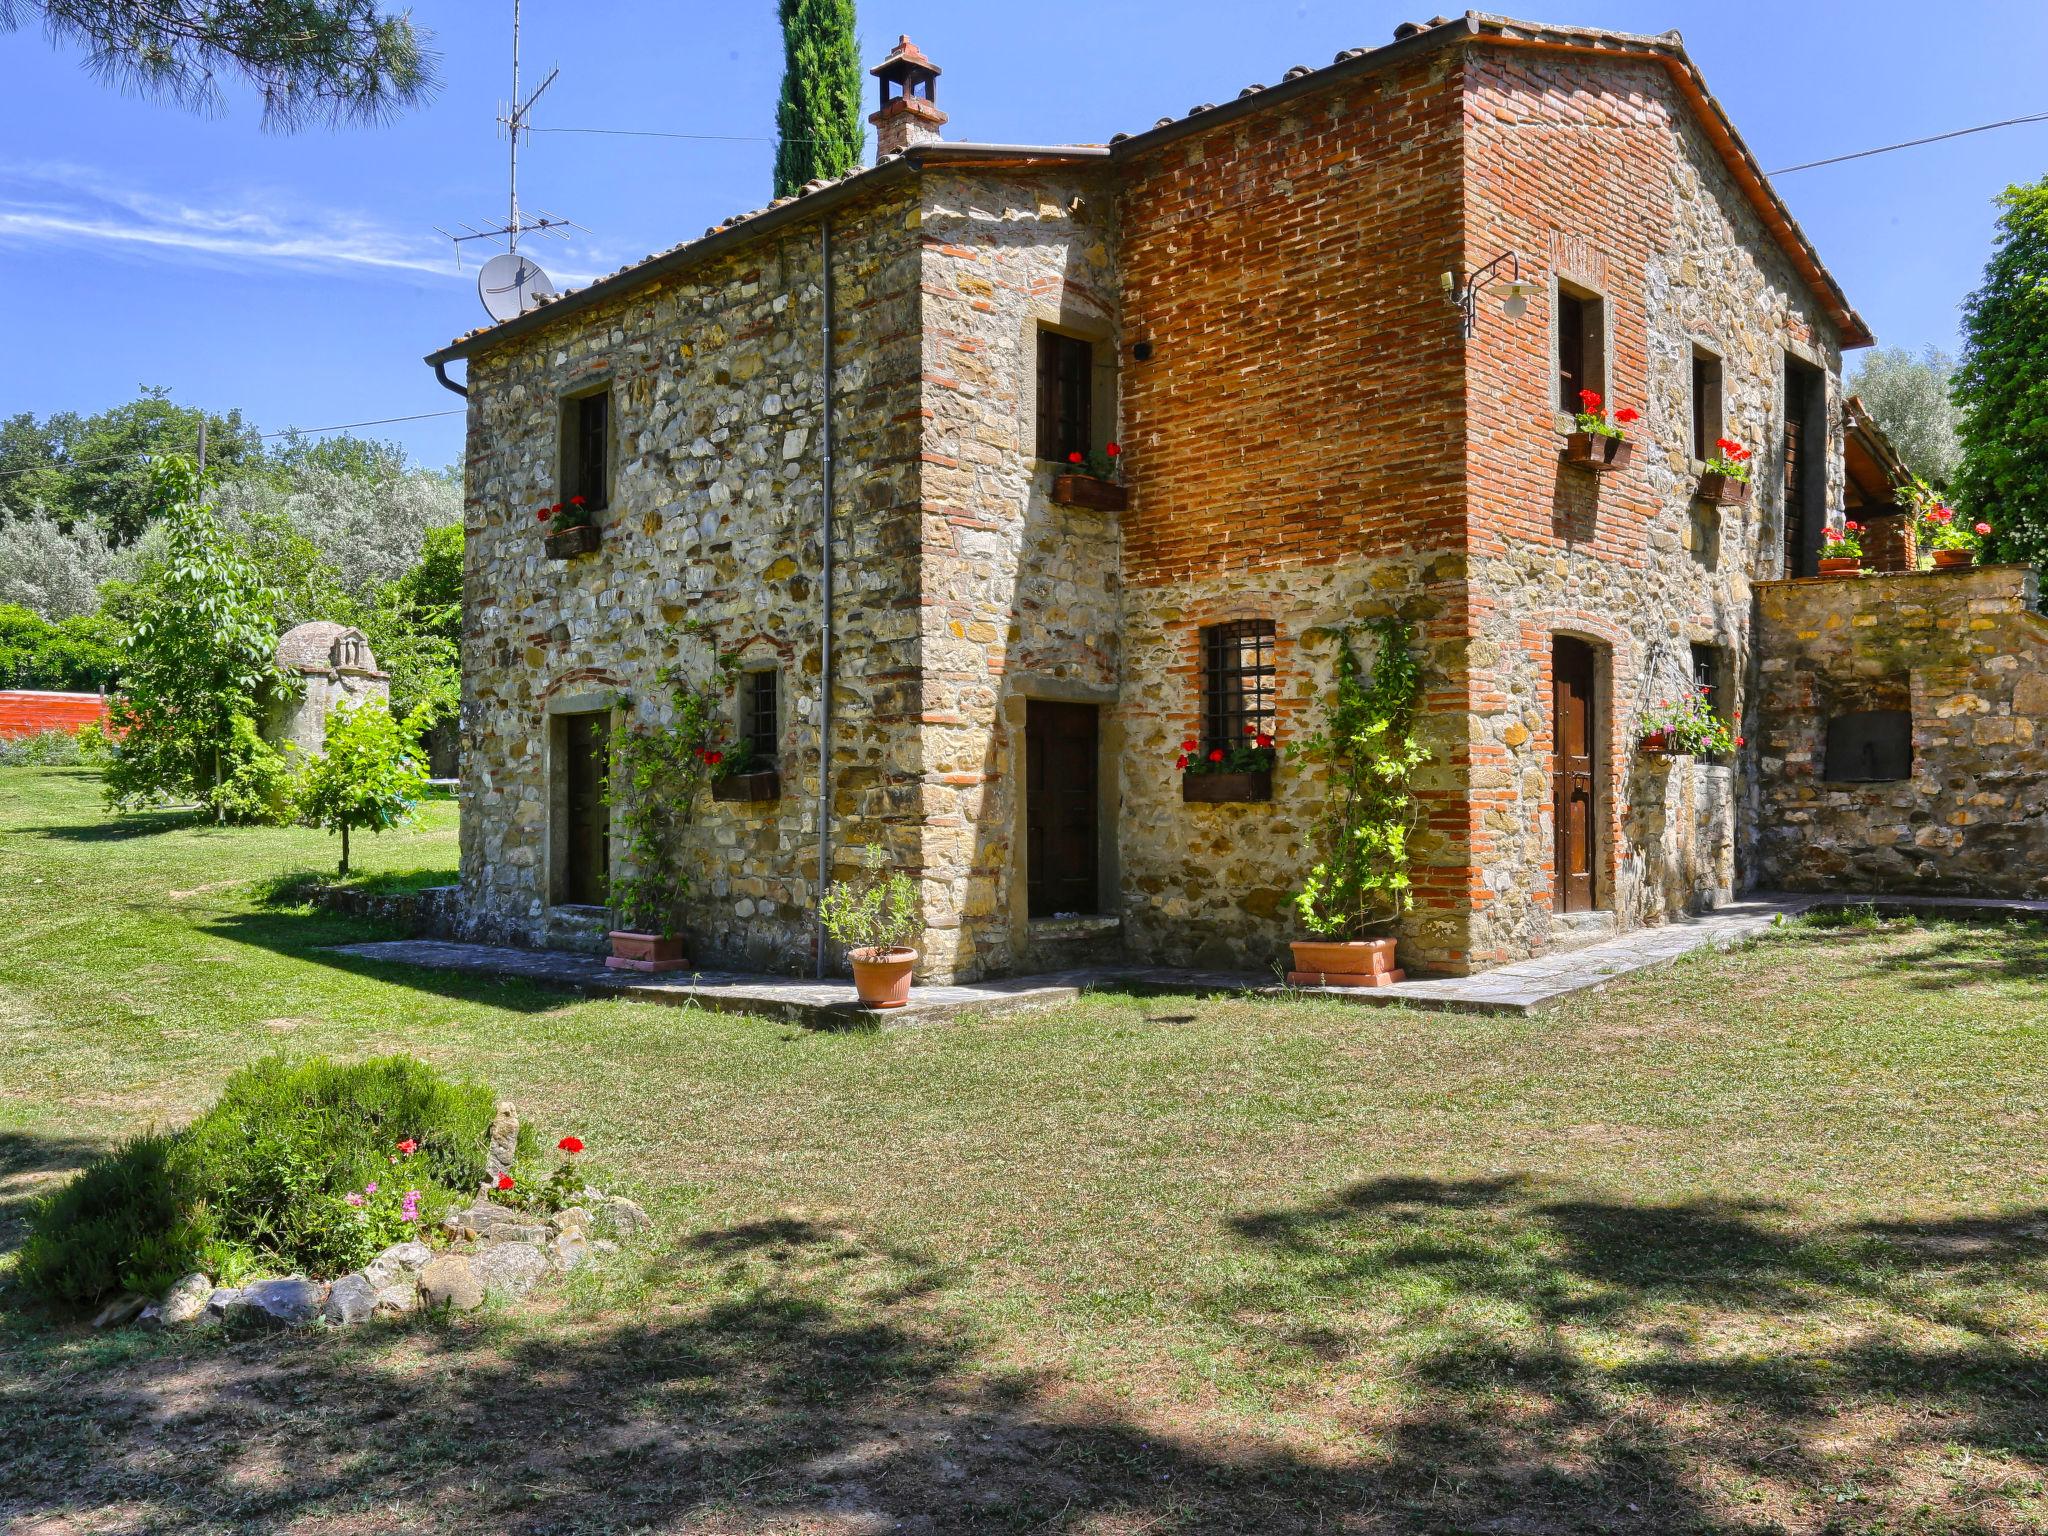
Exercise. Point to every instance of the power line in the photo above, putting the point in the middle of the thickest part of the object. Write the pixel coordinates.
(115, 458)
(1935, 138)
(652, 133)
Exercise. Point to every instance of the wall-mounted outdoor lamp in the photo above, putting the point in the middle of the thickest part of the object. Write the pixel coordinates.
(1514, 293)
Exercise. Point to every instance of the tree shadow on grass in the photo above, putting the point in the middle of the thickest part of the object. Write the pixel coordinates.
(32, 1166)
(124, 828)
(781, 1374)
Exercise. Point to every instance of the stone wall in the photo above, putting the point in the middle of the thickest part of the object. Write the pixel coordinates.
(1293, 450)
(1598, 174)
(1967, 653)
(714, 517)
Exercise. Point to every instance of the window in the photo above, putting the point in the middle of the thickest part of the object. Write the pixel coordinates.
(1870, 746)
(586, 449)
(1581, 346)
(1237, 682)
(1066, 395)
(1706, 404)
(1710, 671)
(760, 722)
(1805, 465)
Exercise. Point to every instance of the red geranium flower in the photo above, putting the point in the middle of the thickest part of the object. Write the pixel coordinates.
(569, 1144)
(544, 514)
(1625, 415)
(1590, 399)
(504, 1181)
(1833, 535)
(1853, 527)
(1111, 449)
(1983, 530)
(1262, 740)
(1188, 745)
(1739, 741)
(1181, 761)
(575, 501)
(1074, 458)
(1215, 754)
(408, 1146)
(715, 759)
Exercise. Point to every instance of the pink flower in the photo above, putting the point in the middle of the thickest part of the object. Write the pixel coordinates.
(1983, 530)
(370, 1188)
(353, 1198)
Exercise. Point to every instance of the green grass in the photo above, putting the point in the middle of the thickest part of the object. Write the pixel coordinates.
(1757, 1243)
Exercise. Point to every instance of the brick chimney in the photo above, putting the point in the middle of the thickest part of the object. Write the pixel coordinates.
(910, 113)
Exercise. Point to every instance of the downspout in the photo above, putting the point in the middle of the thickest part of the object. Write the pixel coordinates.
(825, 599)
(441, 373)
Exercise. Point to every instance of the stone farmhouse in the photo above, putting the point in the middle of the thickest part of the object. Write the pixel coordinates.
(831, 436)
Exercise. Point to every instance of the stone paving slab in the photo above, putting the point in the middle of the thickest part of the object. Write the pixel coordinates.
(1526, 987)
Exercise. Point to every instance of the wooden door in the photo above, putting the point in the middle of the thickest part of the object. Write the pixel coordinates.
(1060, 807)
(1572, 776)
(586, 820)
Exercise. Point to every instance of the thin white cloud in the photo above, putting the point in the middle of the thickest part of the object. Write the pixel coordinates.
(71, 206)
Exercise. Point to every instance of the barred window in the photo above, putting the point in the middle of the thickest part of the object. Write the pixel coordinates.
(1066, 395)
(760, 726)
(1237, 682)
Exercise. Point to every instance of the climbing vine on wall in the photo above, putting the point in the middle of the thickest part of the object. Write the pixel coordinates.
(658, 773)
(1367, 741)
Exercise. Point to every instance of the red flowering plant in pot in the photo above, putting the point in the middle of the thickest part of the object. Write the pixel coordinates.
(569, 527)
(1952, 541)
(1599, 441)
(1219, 772)
(1092, 478)
(1727, 475)
(1358, 887)
(1844, 546)
(1686, 726)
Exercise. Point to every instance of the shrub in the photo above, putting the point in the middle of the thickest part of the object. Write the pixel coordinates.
(875, 912)
(264, 1180)
(45, 749)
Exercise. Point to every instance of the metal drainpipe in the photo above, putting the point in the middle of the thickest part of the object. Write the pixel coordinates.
(825, 600)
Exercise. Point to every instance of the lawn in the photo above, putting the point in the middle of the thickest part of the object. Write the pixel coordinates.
(1758, 1243)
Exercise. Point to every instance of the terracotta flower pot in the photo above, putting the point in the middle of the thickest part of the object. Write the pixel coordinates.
(1954, 559)
(1722, 490)
(1655, 743)
(881, 977)
(1598, 452)
(644, 952)
(1087, 491)
(1842, 565)
(1344, 963)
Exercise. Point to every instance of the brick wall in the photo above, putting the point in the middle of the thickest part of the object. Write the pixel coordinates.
(1294, 452)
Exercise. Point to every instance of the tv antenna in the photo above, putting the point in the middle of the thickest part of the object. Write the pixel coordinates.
(511, 283)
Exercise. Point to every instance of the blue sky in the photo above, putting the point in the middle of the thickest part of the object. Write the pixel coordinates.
(299, 277)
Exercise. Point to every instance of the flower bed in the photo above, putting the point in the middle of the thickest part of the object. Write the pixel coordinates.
(315, 1191)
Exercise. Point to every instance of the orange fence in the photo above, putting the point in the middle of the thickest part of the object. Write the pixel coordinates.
(25, 713)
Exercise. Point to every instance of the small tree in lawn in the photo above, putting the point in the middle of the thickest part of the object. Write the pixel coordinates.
(200, 657)
(370, 777)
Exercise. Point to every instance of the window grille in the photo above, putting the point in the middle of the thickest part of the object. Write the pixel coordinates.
(1237, 683)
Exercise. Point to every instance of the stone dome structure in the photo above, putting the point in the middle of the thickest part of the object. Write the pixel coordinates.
(324, 646)
(334, 666)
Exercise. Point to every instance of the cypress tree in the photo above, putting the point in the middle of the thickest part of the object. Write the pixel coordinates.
(818, 120)
(2002, 385)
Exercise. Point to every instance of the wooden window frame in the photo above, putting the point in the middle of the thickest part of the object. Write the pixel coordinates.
(1578, 333)
(1064, 370)
(760, 723)
(1240, 682)
(1708, 389)
(574, 474)
(1711, 666)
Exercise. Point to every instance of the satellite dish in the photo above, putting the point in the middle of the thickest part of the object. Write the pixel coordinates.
(510, 284)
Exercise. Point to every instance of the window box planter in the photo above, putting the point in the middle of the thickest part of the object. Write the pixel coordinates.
(1842, 565)
(1222, 788)
(1722, 490)
(646, 952)
(1598, 452)
(573, 541)
(766, 784)
(1087, 491)
(1654, 744)
(1954, 559)
(1344, 963)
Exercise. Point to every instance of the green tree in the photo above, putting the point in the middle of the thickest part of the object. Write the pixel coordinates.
(369, 775)
(818, 120)
(415, 631)
(197, 662)
(75, 655)
(2002, 385)
(1909, 397)
(332, 61)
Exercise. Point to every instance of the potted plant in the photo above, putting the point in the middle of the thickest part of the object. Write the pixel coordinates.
(570, 529)
(1845, 550)
(656, 773)
(1686, 726)
(1218, 774)
(1726, 480)
(874, 918)
(1358, 887)
(1953, 544)
(1599, 444)
(739, 777)
(1092, 481)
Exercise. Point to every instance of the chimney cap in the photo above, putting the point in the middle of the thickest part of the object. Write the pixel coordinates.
(905, 56)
